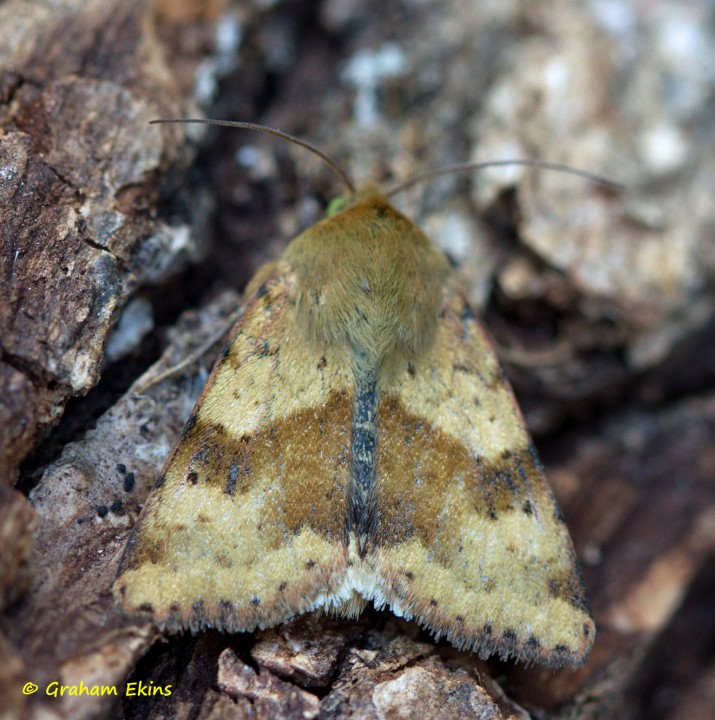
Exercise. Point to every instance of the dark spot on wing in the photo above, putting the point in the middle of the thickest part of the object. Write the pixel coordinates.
(531, 450)
(198, 609)
(190, 424)
(264, 350)
(233, 472)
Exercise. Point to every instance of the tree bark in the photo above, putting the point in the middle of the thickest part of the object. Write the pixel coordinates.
(601, 301)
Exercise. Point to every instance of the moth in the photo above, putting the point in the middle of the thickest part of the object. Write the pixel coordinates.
(357, 441)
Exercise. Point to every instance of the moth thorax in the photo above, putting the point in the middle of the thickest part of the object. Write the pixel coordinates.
(372, 323)
(368, 279)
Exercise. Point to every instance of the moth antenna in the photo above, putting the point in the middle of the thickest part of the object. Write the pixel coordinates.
(463, 167)
(273, 132)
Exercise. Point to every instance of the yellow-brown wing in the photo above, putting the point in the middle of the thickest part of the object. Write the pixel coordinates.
(470, 541)
(246, 525)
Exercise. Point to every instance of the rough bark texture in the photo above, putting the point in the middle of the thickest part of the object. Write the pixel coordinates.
(602, 301)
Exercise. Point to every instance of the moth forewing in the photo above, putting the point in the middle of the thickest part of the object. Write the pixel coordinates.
(358, 441)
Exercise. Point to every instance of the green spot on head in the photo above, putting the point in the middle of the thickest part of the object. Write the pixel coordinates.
(336, 205)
